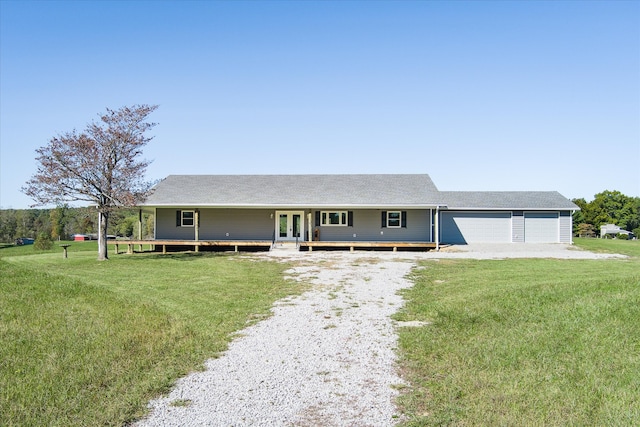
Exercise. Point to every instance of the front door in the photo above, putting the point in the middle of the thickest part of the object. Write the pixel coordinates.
(289, 226)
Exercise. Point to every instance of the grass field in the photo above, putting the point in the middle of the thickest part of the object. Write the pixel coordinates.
(525, 342)
(511, 342)
(89, 343)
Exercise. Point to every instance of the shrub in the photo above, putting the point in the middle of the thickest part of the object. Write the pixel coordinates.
(43, 242)
(623, 236)
(586, 230)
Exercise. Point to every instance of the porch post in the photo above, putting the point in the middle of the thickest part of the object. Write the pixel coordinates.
(155, 225)
(437, 228)
(196, 225)
(309, 232)
(140, 227)
(196, 228)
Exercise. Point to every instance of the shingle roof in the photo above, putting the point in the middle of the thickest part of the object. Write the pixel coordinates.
(407, 190)
(516, 200)
(399, 190)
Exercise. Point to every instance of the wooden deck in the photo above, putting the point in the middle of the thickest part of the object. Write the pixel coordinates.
(236, 245)
(394, 246)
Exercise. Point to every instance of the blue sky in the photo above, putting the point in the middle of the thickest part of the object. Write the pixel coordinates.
(483, 95)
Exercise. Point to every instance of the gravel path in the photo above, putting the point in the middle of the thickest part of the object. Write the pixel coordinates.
(323, 358)
(326, 357)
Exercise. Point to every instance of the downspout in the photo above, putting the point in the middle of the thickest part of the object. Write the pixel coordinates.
(571, 227)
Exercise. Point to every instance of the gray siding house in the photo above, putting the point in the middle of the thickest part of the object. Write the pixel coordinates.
(350, 208)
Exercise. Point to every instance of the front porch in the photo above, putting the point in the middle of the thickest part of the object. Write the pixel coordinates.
(394, 246)
(188, 245)
(237, 245)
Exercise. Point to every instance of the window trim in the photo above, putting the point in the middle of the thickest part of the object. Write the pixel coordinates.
(193, 219)
(342, 215)
(385, 219)
(389, 219)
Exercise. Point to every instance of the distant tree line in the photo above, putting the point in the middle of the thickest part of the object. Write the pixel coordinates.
(62, 222)
(608, 207)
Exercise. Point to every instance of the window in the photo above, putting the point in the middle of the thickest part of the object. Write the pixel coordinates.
(185, 218)
(334, 218)
(394, 219)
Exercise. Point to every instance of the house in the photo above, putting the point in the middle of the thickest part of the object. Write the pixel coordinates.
(349, 210)
(612, 230)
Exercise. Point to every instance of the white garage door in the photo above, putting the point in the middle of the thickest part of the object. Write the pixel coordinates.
(541, 227)
(475, 227)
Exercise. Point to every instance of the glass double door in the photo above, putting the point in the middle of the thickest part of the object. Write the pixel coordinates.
(289, 226)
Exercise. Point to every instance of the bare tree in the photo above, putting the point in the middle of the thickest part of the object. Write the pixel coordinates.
(101, 165)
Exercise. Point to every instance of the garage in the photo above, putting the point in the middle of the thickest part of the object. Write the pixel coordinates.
(541, 227)
(475, 227)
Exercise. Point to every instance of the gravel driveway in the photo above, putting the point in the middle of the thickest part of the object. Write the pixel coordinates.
(326, 357)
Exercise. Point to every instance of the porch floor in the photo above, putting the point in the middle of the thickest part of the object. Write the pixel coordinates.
(352, 246)
(236, 245)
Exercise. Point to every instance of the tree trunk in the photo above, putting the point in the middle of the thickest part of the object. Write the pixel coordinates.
(103, 221)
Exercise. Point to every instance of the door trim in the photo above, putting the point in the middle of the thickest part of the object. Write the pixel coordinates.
(291, 237)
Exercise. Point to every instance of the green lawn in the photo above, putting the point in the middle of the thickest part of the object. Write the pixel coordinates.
(511, 342)
(627, 247)
(525, 342)
(89, 343)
